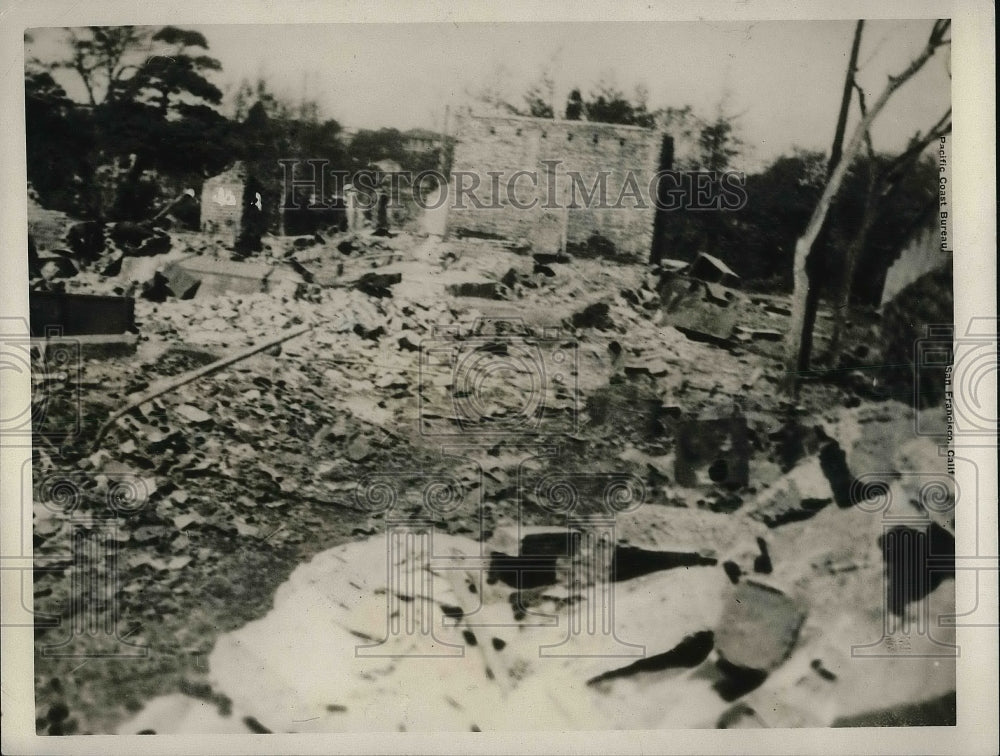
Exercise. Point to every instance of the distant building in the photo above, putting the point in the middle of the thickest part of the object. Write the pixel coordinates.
(421, 141)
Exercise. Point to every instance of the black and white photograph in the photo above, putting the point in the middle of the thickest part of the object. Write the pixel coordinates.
(500, 377)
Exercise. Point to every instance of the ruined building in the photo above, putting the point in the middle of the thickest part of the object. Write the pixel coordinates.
(233, 206)
(487, 146)
(222, 201)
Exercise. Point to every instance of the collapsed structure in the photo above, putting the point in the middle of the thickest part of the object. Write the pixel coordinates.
(547, 169)
(222, 201)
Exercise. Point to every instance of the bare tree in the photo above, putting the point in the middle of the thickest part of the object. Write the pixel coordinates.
(881, 184)
(845, 102)
(799, 335)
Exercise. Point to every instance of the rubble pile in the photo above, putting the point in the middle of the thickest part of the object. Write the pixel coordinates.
(691, 647)
(746, 573)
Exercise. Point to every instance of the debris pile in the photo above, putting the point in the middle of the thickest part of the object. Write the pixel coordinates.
(747, 569)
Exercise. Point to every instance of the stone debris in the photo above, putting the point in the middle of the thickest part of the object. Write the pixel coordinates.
(265, 458)
(759, 628)
(193, 415)
(713, 451)
(596, 315)
(53, 265)
(798, 495)
(480, 289)
(139, 239)
(80, 314)
(378, 284)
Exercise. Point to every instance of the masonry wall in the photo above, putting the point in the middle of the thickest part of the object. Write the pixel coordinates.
(222, 201)
(921, 255)
(506, 144)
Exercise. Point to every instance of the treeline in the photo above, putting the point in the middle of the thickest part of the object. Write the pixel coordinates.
(758, 241)
(149, 125)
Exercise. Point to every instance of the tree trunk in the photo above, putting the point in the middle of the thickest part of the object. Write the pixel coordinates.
(879, 187)
(847, 284)
(808, 279)
(845, 101)
(797, 358)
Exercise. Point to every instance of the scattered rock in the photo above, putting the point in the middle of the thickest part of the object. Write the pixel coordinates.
(596, 315)
(193, 415)
(758, 629)
(548, 258)
(370, 333)
(544, 270)
(408, 345)
(655, 367)
(522, 571)
(762, 562)
(733, 571)
(86, 239)
(359, 450)
(739, 717)
(833, 462)
(378, 285)
(713, 451)
(55, 265)
(797, 496)
(817, 665)
(481, 289)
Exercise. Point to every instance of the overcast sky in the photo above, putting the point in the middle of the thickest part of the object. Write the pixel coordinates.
(783, 78)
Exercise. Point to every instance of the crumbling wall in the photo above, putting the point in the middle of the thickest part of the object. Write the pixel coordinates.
(504, 145)
(222, 201)
(922, 254)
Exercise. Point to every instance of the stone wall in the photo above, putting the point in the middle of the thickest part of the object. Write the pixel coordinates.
(222, 201)
(507, 144)
(921, 255)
